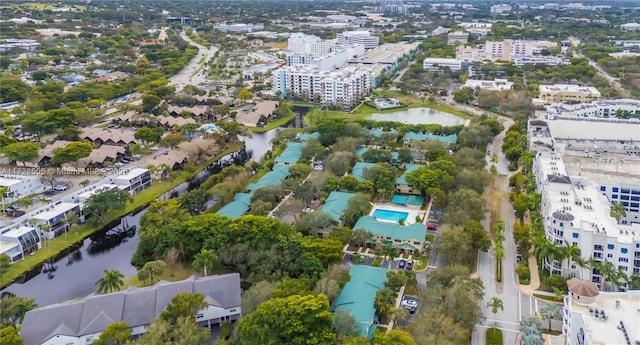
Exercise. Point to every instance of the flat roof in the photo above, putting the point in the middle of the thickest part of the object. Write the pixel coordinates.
(617, 306)
(616, 172)
(55, 211)
(585, 129)
(19, 231)
(387, 53)
(8, 182)
(7, 246)
(135, 172)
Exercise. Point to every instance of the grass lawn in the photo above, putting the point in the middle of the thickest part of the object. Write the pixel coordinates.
(411, 290)
(271, 125)
(277, 45)
(180, 271)
(546, 298)
(59, 244)
(423, 262)
(494, 336)
(552, 332)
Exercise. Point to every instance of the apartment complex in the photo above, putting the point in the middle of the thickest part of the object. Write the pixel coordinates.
(325, 55)
(19, 241)
(603, 109)
(490, 85)
(440, 63)
(358, 37)
(341, 88)
(477, 28)
(606, 318)
(19, 186)
(630, 27)
(518, 51)
(575, 212)
(559, 93)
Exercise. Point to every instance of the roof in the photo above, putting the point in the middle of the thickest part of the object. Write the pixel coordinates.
(59, 209)
(50, 149)
(239, 206)
(452, 139)
(416, 231)
(582, 287)
(307, 136)
(291, 154)
(358, 169)
(336, 203)
(170, 158)
(273, 177)
(115, 135)
(361, 151)
(409, 167)
(358, 295)
(411, 200)
(135, 306)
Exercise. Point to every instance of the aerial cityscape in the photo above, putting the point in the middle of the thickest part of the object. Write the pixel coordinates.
(380, 172)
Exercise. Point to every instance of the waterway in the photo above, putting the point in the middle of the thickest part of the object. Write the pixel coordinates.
(259, 143)
(417, 116)
(73, 274)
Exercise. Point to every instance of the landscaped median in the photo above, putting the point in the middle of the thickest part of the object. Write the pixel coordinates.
(57, 245)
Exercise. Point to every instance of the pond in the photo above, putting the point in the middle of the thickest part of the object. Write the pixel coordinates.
(259, 143)
(416, 116)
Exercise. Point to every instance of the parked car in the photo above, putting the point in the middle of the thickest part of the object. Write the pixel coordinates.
(409, 303)
(409, 265)
(155, 148)
(402, 263)
(431, 226)
(11, 208)
(60, 187)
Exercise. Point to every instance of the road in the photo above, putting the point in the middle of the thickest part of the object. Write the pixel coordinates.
(186, 75)
(613, 81)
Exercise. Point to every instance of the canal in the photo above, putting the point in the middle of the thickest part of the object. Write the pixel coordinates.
(73, 275)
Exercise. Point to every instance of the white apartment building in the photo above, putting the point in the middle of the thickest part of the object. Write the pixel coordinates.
(325, 55)
(518, 51)
(559, 93)
(224, 27)
(358, 37)
(19, 186)
(440, 63)
(574, 212)
(630, 27)
(490, 85)
(597, 109)
(341, 88)
(501, 8)
(608, 318)
(54, 217)
(18, 241)
(309, 44)
(536, 59)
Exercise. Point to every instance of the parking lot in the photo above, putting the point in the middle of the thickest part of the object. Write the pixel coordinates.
(394, 264)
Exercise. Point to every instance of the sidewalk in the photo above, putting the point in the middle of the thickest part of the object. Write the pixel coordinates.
(534, 278)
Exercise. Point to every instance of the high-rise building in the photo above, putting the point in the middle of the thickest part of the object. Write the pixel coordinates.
(358, 37)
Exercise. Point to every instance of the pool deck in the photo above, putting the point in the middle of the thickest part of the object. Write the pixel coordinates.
(411, 218)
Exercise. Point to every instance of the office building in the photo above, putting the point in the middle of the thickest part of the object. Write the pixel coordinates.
(518, 51)
(342, 88)
(591, 318)
(489, 85)
(393, 6)
(498, 9)
(441, 63)
(19, 186)
(600, 109)
(81, 321)
(559, 93)
(358, 37)
(457, 37)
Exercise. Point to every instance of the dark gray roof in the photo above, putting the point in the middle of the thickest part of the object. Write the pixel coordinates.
(135, 306)
(562, 215)
(559, 179)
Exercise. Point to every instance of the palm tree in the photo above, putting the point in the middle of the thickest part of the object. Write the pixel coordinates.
(572, 253)
(610, 274)
(112, 280)
(384, 301)
(618, 211)
(204, 260)
(633, 282)
(550, 311)
(3, 190)
(495, 303)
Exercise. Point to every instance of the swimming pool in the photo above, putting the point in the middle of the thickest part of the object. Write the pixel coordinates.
(389, 215)
(209, 128)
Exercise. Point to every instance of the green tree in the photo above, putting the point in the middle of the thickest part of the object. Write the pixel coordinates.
(618, 211)
(117, 333)
(478, 236)
(394, 337)
(256, 295)
(147, 135)
(301, 320)
(143, 275)
(111, 281)
(195, 201)
(171, 140)
(290, 287)
(13, 308)
(384, 301)
(550, 311)
(204, 260)
(357, 206)
(22, 151)
(155, 268)
(495, 303)
(68, 133)
(72, 153)
(184, 331)
(464, 95)
(150, 102)
(107, 200)
(395, 280)
(184, 305)
(9, 336)
(344, 324)
(5, 262)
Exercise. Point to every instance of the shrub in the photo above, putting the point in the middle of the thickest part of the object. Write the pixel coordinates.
(494, 336)
(523, 271)
(225, 330)
(377, 262)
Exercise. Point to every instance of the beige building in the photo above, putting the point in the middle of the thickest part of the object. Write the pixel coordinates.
(560, 93)
(503, 50)
(457, 37)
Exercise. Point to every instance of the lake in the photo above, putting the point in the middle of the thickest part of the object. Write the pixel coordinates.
(416, 116)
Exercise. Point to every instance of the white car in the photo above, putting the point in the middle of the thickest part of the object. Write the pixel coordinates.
(155, 148)
(60, 187)
(409, 303)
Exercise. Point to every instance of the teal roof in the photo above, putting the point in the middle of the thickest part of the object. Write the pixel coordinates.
(239, 206)
(358, 169)
(416, 231)
(336, 203)
(291, 154)
(412, 200)
(358, 295)
(307, 136)
(407, 169)
(408, 246)
(451, 139)
(361, 151)
(378, 132)
(395, 155)
(273, 177)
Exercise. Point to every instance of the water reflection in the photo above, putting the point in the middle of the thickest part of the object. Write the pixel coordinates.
(417, 116)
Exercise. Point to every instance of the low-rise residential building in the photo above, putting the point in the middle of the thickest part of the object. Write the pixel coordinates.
(559, 93)
(82, 321)
(336, 204)
(117, 137)
(630, 27)
(13, 43)
(627, 43)
(278, 173)
(291, 153)
(238, 27)
(54, 220)
(409, 239)
(240, 205)
(441, 63)
(447, 139)
(135, 180)
(590, 318)
(402, 185)
(357, 297)
(490, 85)
(359, 169)
(19, 186)
(19, 241)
